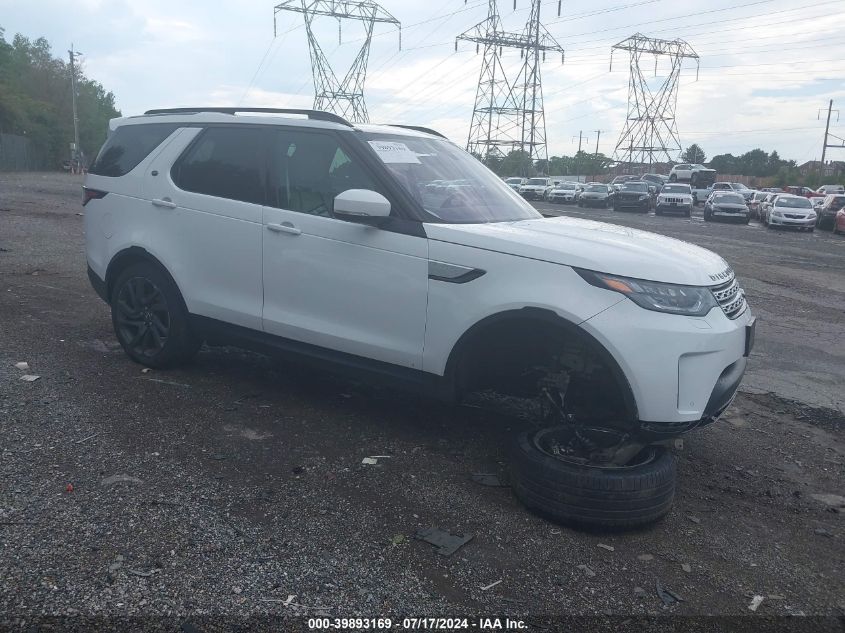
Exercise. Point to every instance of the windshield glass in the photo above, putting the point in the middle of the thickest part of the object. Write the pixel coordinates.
(739, 186)
(537, 181)
(640, 187)
(597, 188)
(448, 182)
(676, 189)
(514, 181)
(793, 203)
(728, 198)
(565, 186)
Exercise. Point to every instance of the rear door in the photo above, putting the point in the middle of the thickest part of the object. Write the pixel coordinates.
(206, 214)
(330, 283)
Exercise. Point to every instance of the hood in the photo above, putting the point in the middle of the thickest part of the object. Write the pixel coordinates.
(580, 243)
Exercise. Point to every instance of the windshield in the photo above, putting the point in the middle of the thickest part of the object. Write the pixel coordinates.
(738, 186)
(514, 181)
(635, 186)
(676, 189)
(537, 181)
(565, 186)
(793, 203)
(448, 182)
(728, 198)
(597, 188)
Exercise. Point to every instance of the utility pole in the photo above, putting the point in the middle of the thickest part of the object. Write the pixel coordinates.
(77, 153)
(827, 135)
(598, 136)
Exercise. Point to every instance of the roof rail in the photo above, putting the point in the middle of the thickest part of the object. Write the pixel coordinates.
(419, 128)
(317, 115)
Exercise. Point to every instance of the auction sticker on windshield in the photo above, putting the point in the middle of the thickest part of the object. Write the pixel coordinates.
(393, 152)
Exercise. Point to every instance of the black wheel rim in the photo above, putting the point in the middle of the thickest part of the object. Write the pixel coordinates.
(551, 440)
(142, 318)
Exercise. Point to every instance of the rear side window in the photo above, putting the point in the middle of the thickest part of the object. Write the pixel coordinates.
(225, 162)
(127, 146)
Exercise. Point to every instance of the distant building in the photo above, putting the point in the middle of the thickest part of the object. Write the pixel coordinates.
(832, 168)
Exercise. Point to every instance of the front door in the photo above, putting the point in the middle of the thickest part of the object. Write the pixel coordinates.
(330, 283)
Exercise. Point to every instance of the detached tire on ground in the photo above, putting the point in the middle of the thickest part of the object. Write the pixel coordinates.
(589, 496)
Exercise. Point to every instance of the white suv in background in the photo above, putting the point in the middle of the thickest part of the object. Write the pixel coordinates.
(323, 240)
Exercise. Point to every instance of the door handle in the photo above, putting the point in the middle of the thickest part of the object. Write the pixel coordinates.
(284, 227)
(166, 203)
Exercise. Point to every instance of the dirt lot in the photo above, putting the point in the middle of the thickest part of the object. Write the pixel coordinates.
(244, 483)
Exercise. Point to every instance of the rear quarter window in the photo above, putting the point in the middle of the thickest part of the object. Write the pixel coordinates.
(127, 146)
(225, 162)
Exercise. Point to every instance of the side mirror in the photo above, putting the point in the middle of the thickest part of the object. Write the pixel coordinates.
(362, 206)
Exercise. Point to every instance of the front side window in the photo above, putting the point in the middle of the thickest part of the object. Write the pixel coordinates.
(310, 169)
(472, 193)
(127, 146)
(225, 162)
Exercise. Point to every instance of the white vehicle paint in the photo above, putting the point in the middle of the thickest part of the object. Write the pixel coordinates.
(401, 294)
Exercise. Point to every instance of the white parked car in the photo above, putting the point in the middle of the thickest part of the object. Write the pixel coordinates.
(831, 189)
(684, 171)
(564, 193)
(674, 197)
(789, 211)
(320, 239)
(515, 183)
(536, 188)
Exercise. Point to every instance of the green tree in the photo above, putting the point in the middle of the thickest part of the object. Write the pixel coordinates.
(35, 100)
(694, 154)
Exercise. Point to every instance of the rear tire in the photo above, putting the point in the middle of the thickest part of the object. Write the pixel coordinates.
(591, 496)
(150, 318)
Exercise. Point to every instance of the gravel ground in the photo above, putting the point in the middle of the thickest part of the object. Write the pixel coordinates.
(215, 492)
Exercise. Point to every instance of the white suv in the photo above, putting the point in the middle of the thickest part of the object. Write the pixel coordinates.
(323, 239)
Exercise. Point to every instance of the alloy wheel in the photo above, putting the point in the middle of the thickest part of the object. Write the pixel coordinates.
(142, 316)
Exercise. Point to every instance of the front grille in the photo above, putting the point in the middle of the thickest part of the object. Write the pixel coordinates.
(675, 200)
(795, 216)
(730, 297)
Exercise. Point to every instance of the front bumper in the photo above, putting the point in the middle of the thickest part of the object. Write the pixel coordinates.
(681, 370)
(796, 222)
(592, 201)
(562, 197)
(632, 204)
(665, 207)
(532, 195)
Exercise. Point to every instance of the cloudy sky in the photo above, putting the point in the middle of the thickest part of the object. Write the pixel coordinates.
(767, 66)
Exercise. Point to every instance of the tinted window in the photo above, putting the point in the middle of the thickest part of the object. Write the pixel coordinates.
(676, 189)
(226, 162)
(127, 146)
(310, 169)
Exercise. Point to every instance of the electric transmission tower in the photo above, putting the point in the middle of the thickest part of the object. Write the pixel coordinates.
(651, 129)
(345, 97)
(508, 113)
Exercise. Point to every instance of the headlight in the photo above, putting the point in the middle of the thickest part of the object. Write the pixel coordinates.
(657, 296)
(643, 198)
(777, 213)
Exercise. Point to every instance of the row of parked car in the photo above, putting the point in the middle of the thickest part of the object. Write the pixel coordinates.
(795, 207)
